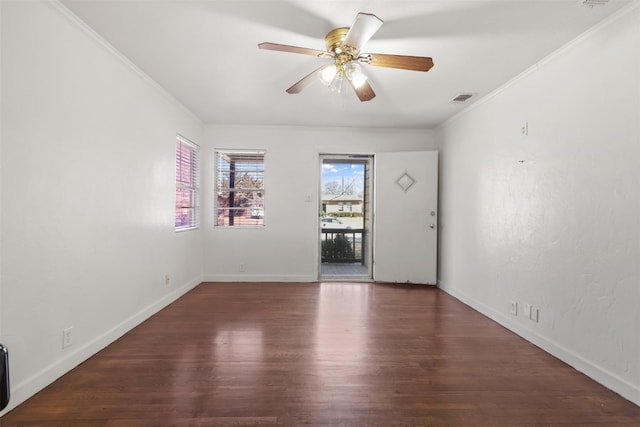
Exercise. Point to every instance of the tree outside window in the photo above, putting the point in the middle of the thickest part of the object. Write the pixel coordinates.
(240, 190)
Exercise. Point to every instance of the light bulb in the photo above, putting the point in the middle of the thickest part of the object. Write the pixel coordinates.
(328, 74)
(355, 74)
(358, 80)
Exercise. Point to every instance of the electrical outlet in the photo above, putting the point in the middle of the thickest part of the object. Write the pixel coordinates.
(67, 337)
(527, 311)
(514, 308)
(167, 279)
(535, 315)
(241, 267)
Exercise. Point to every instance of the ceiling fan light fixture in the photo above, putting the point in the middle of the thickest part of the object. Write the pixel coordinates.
(328, 74)
(337, 84)
(355, 74)
(358, 80)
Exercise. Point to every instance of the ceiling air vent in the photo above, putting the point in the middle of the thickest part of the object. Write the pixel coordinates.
(462, 97)
(592, 3)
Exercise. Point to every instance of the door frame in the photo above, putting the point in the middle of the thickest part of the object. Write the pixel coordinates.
(369, 160)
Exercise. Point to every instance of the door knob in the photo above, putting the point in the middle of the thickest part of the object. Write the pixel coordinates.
(432, 226)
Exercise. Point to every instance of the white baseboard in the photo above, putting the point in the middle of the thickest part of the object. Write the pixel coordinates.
(38, 381)
(242, 277)
(599, 374)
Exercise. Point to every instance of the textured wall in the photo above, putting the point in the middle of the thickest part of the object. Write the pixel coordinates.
(552, 219)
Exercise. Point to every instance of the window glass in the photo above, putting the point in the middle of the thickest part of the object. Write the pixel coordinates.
(187, 184)
(240, 190)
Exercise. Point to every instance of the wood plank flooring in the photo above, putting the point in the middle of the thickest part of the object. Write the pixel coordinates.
(322, 354)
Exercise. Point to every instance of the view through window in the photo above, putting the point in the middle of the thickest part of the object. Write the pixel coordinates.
(344, 245)
(239, 188)
(343, 190)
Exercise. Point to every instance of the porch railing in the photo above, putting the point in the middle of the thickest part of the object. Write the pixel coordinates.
(343, 245)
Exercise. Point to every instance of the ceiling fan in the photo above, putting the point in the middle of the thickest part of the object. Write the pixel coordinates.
(343, 46)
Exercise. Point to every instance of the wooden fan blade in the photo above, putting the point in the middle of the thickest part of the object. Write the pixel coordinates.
(362, 29)
(365, 91)
(306, 80)
(295, 49)
(415, 63)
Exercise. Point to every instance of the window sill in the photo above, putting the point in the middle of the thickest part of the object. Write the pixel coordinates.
(180, 230)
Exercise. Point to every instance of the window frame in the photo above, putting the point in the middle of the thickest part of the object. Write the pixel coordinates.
(247, 220)
(187, 182)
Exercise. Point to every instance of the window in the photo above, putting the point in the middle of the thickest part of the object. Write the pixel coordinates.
(239, 188)
(187, 184)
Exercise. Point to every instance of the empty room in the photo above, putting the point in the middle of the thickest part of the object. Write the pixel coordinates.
(301, 212)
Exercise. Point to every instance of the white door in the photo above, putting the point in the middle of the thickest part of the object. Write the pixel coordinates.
(405, 227)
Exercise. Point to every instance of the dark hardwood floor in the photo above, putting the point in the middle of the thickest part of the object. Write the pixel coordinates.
(339, 354)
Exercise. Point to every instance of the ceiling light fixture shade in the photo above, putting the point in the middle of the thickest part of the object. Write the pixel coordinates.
(333, 76)
(337, 84)
(355, 74)
(328, 74)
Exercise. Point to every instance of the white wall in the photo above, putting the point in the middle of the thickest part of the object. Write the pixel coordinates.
(88, 155)
(552, 218)
(286, 249)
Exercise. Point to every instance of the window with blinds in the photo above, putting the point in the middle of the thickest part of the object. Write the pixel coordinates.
(239, 188)
(187, 184)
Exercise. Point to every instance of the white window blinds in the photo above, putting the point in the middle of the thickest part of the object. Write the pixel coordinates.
(187, 184)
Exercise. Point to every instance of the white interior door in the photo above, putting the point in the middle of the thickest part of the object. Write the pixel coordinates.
(405, 227)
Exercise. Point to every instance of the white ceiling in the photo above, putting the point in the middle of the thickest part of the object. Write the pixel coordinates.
(205, 53)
